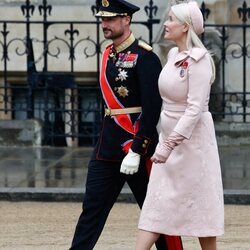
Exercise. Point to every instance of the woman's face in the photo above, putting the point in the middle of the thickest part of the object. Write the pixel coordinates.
(174, 29)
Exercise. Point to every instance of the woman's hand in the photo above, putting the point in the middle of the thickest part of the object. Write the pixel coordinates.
(161, 154)
(164, 149)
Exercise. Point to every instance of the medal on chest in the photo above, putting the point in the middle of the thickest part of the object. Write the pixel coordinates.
(122, 91)
(112, 54)
(126, 60)
(122, 75)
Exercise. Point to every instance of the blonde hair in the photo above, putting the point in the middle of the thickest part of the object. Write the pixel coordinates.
(181, 11)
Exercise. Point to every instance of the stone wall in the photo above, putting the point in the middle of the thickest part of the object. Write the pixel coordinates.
(233, 134)
(21, 133)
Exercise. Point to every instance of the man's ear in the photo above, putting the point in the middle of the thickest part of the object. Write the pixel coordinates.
(128, 19)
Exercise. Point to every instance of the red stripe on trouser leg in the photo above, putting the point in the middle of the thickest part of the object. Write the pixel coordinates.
(148, 165)
(172, 242)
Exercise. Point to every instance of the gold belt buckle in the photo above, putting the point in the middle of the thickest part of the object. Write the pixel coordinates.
(107, 112)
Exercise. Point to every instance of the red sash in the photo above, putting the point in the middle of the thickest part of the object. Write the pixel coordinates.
(124, 120)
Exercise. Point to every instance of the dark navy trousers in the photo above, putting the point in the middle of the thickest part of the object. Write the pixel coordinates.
(104, 184)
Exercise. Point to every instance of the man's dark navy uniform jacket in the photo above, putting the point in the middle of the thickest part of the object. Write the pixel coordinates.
(132, 73)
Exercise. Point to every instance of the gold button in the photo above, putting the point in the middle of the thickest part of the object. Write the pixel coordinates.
(144, 145)
(146, 141)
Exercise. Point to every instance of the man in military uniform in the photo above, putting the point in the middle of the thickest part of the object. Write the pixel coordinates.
(129, 84)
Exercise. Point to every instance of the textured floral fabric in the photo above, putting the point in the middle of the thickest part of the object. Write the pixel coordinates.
(185, 194)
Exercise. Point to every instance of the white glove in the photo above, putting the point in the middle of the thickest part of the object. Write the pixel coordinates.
(130, 163)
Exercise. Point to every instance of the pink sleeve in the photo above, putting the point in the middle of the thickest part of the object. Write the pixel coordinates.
(199, 88)
(164, 149)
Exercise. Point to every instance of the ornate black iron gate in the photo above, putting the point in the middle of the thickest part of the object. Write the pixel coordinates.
(68, 102)
(69, 110)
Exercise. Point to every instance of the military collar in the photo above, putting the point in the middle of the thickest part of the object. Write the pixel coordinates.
(124, 45)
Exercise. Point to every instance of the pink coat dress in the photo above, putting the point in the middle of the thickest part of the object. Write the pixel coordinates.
(185, 194)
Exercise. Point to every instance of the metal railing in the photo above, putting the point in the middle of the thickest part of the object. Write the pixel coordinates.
(68, 102)
(230, 96)
(68, 110)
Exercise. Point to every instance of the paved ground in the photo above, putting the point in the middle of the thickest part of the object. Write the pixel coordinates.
(43, 226)
(59, 174)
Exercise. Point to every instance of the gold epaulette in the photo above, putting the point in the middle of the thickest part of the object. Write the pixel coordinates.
(145, 46)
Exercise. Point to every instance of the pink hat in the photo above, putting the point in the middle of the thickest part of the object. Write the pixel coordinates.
(196, 17)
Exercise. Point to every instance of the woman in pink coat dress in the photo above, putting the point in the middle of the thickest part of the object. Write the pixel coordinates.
(185, 193)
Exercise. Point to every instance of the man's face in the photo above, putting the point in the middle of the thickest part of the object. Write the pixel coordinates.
(114, 27)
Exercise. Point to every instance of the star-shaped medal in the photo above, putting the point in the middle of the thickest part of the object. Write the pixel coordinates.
(122, 91)
(123, 74)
